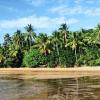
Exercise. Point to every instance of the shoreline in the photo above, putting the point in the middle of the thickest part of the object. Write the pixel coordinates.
(49, 73)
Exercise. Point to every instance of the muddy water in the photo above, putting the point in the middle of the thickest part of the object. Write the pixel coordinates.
(84, 88)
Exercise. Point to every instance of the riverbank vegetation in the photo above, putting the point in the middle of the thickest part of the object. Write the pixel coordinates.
(62, 48)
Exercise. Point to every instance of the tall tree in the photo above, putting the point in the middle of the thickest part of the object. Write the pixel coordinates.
(64, 32)
(2, 58)
(74, 42)
(6, 44)
(56, 41)
(16, 49)
(30, 35)
(7, 40)
(43, 43)
(97, 35)
(18, 39)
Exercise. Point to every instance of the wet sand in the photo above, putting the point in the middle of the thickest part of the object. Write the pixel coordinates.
(49, 73)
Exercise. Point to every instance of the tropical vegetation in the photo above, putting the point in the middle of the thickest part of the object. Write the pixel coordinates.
(63, 48)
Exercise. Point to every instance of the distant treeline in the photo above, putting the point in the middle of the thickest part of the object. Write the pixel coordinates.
(63, 48)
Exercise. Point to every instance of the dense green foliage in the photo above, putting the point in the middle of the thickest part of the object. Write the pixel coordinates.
(63, 48)
(34, 58)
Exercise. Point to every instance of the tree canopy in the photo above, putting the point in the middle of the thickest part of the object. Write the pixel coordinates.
(63, 48)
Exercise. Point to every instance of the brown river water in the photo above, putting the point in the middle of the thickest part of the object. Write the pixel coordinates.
(84, 88)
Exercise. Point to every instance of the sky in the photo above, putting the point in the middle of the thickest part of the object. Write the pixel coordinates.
(47, 15)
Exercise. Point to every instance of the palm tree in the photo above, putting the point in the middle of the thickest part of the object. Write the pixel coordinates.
(1, 55)
(57, 42)
(6, 44)
(17, 44)
(30, 35)
(7, 40)
(13, 50)
(18, 39)
(98, 26)
(1, 58)
(64, 32)
(43, 43)
(97, 35)
(74, 42)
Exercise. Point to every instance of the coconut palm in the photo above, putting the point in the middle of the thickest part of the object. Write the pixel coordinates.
(1, 55)
(18, 39)
(17, 44)
(30, 35)
(74, 42)
(7, 40)
(1, 58)
(57, 43)
(64, 32)
(43, 43)
(13, 50)
(6, 44)
(96, 37)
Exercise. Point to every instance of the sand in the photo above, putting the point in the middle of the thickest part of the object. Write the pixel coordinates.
(49, 73)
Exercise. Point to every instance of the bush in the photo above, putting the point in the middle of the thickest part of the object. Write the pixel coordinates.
(9, 62)
(52, 59)
(91, 57)
(33, 58)
(67, 58)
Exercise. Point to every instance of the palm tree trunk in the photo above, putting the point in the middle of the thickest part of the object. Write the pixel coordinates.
(75, 57)
(30, 44)
(58, 54)
(65, 40)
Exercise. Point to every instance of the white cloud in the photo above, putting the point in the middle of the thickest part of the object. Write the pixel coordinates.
(87, 1)
(37, 22)
(36, 2)
(78, 1)
(64, 10)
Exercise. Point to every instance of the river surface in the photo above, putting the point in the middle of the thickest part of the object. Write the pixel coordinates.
(84, 88)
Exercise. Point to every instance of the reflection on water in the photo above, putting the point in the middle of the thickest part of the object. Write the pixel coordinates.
(85, 88)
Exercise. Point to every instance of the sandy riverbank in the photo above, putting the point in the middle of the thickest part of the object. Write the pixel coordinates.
(49, 73)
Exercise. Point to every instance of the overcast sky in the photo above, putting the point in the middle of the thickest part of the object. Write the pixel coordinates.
(47, 15)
